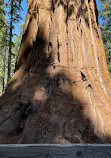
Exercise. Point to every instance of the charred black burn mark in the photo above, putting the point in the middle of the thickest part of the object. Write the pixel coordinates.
(96, 11)
(58, 45)
(77, 27)
(96, 31)
(89, 85)
(60, 3)
(39, 41)
(81, 32)
(67, 13)
(70, 10)
(54, 66)
(91, 10)
(53, 7)
(83, 76)
(58, 52)
(87, 21)
(98, 58)
(29, 12)
(75, 82)
(93, 21)
(38, 17)
(50, 45)
(82, 11)
(51, 16)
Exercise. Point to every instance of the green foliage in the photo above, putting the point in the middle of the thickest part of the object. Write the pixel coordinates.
(17, 39)
(109, 68)
(14, 7)
(105, 14)
(2, 14)
(4, 55)
(9, 43)
(3, 46)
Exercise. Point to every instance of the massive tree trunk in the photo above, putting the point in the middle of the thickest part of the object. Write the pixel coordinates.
(61, 90)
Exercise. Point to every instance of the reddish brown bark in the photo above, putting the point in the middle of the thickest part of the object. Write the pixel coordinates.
(60, 92)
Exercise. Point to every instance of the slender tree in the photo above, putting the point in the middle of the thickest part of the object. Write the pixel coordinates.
(17, 39)
(3, 45)
(14, 12)
(61, 90)
(2, 14)
(4, 55)
(16, 46)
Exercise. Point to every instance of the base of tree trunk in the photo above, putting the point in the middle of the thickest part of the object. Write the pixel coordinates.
(43, 109)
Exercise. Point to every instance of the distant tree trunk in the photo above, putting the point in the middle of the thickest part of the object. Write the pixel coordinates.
(4, 67)
(61, 90)
(10, 43)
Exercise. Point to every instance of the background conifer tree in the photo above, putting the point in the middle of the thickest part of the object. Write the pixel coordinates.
(14, 7)
(105, 15)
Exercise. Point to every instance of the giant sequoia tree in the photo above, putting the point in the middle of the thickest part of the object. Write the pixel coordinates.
(61, 90)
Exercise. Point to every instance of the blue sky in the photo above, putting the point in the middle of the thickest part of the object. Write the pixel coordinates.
(98, 5)
(23, 14)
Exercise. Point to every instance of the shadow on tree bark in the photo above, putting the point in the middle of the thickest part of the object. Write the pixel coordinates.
(40, 108)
